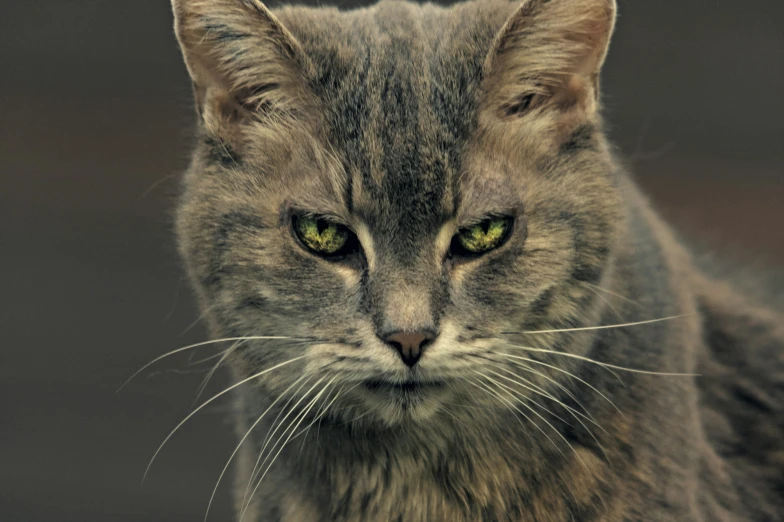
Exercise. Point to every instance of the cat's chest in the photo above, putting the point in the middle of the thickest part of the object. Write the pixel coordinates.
(457, 488)
(404, 490)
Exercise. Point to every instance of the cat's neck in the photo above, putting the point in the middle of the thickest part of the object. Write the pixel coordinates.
(465, 466)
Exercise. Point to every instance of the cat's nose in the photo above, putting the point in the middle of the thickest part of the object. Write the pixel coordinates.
(410, 345)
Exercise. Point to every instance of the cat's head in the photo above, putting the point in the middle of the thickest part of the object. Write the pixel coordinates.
(397, 189)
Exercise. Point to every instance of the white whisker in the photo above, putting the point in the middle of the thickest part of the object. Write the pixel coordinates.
(206, 380)
(198, 319)
(528, 399)
(318, 430)
(319, 415)
(606, 365)
(576, 414)
(259, 463)
(600, 296)
(515, 410)
(291, 430)
(523, 401)
(208, 401)
(270, 433)
(603, 396)
(551, 427)
(560, 386)
(203, 343)
(208, 358)
(444, 410)
(619, 296)
(607, 327)
(242, 441)
(544, 393)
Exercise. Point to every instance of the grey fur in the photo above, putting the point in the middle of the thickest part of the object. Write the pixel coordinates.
(406, 122)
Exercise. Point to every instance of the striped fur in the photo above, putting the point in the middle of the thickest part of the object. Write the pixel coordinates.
(406, 122)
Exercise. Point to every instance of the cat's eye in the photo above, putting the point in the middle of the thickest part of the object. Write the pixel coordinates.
(521, 105)
(324, 237)
(481, 237)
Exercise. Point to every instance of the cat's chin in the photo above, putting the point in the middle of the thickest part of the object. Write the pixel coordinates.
(399, 403)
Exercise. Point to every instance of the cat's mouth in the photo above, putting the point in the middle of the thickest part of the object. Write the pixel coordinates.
(405, 387)
(408, 400)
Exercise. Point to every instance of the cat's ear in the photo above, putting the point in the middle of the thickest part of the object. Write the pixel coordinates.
(242, 60)
(549, 55)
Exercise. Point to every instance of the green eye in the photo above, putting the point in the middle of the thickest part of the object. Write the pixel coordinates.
(322, 236)
(482, 237)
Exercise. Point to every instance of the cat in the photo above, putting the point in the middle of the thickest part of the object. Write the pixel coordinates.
(450, 301)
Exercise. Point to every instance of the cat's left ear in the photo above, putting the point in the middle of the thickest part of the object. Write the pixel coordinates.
(548, 55)
(243, 62)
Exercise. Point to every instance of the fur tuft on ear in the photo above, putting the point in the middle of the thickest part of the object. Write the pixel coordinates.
(549, 52)
(243, 62)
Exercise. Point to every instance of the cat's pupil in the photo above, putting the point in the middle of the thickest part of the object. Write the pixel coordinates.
(321, 226)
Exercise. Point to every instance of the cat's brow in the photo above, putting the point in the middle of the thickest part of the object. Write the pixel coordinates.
(482, 195)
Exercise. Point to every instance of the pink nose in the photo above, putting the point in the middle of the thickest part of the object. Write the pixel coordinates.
(409, 345)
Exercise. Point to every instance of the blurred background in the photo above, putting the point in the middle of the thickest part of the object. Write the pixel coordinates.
(95, 109)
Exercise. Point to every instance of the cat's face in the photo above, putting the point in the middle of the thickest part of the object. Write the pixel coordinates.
(395, 191)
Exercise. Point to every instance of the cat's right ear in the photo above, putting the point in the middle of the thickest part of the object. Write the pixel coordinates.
(549, 55)
(244, 63)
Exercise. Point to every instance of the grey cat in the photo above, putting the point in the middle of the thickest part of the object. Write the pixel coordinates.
(453, 304)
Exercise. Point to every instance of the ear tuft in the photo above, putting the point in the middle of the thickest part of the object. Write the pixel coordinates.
(549, 51)
(242, 61)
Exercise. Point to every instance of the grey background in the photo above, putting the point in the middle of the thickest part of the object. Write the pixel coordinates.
(94, 111)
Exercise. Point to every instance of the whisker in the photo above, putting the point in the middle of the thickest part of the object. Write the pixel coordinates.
(514, 409)
(349, 407)
(600, 296)
(275, 426)
(226, 151)
(606, 365)
(551, 427)
(544, 393)
(319, 415)
(322, 412)
(199, 319)
(607, 327)
(207, 378)
(355, 419)
(576, 414)
(619, 296)
(560, 386)
(204, 343)
(174, 301)
(617, 377)
(208, 358)
(174, 371)
(444, 410)
(208, 401)
(299, 419)
(155, 185)
(521, 397)
(318, 430)
(465, 406)
(537, 389)
(242, 441)
(603, 396)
